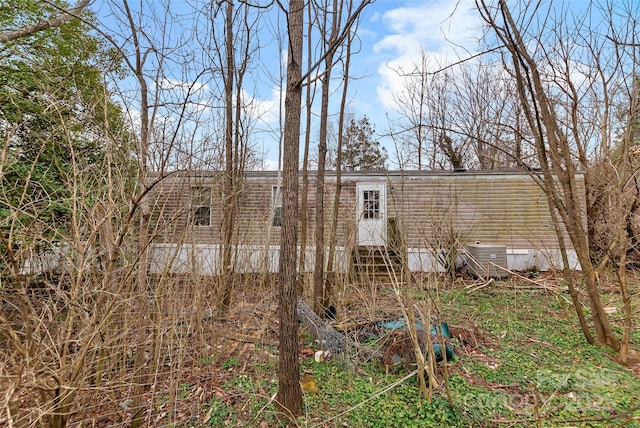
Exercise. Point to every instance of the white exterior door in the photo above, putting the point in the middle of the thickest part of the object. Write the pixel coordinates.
(371, 213)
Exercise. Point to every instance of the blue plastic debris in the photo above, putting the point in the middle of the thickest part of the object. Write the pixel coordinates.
(398, 324)
(436, 331)
(402, 323)
(437, 350)
(444, 329)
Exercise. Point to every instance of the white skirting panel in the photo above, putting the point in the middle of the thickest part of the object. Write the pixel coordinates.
(424, 260)
(204, 259)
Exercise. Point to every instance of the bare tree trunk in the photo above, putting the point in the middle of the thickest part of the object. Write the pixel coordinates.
(143, 224)
(304, 217)
(226, 269)
(289, 397)
(321, 292)
(625, 206)
(573, 292)
(338, 191)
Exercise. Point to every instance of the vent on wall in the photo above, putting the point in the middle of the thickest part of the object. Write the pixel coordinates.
(487, 260)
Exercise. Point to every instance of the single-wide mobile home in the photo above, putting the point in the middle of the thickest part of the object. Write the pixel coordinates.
(420, 215)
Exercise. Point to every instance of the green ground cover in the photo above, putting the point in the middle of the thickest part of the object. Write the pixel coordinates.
(529, 366)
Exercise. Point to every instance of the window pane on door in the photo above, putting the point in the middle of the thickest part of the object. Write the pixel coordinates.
(371, 201)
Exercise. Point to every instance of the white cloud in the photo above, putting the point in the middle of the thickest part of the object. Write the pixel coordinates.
(269, 165)
(437, 28)
(266, 110)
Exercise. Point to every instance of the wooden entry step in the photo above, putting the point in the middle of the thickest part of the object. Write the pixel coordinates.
(376, 264)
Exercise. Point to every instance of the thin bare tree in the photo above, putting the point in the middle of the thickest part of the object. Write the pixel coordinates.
(330, 30)
(339, 145)
(304, 192)
(558, 110)
(228, 192)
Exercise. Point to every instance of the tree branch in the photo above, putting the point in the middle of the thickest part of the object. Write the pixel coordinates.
(65, 16)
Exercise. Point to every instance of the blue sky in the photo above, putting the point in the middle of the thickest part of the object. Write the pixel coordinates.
(392, 34)
(397, 32)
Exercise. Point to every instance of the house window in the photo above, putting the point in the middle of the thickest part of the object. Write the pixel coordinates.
(201, 206)
(371, 199)
(276, 204)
